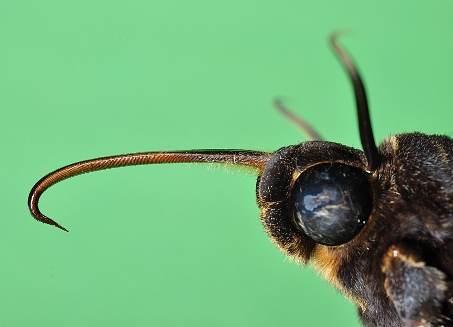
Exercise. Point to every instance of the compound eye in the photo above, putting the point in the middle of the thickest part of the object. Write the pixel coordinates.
(331, 202)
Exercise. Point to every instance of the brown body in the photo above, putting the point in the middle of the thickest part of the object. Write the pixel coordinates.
(409, 232)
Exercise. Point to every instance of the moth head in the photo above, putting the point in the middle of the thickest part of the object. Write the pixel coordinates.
(320, 192)
(314, 193)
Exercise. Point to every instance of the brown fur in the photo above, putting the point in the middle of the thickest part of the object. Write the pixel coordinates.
(412, 214)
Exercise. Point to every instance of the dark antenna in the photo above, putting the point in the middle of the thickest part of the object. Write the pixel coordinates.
(366, 131)
(300, 123)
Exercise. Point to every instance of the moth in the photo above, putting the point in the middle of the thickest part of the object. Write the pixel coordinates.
(377, 224)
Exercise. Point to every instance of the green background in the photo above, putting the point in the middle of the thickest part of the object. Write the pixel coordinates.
(182, 245)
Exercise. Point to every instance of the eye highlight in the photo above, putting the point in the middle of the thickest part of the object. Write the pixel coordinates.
(331, 202)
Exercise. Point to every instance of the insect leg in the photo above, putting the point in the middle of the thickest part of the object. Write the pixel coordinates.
(417, 290)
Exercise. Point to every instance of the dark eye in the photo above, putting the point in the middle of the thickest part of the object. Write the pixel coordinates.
(331, 202)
